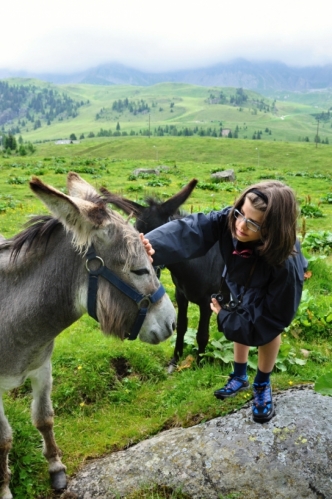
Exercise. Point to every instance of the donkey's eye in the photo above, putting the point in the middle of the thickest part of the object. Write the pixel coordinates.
(140, 271)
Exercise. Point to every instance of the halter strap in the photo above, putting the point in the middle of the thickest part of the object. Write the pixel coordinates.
(143, 301)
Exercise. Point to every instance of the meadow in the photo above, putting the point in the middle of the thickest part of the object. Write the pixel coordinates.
(109, 394)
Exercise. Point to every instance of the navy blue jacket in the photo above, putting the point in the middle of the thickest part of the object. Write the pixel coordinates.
(271, 298)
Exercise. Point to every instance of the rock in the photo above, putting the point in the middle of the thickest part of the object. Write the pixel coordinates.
(153, 171)
(224, 176)
(288, 458)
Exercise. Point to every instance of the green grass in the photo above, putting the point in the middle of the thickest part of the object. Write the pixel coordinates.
(109, 395)
(110, 162)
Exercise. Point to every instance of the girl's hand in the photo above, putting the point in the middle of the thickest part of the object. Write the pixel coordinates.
(147, 246)
(214, 305)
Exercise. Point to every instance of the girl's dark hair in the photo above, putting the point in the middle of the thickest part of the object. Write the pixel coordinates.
(278, 228)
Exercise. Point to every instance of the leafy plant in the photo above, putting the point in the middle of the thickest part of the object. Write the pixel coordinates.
(17, 180)
(221, 349)
(216, 170)
(311, 211)
(208, 186)
(323, 384)
(61, 170)
(7, 202)
(313, 318)
(135, 188)
(327, 198)
(247, 169)
(158, 182)
(287, 357)
(318, 241)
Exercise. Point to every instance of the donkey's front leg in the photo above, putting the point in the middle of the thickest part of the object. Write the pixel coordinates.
(202, 335)
(181, 328)
(5, 446)
(42, 418)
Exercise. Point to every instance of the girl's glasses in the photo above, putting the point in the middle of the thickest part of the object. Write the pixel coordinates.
(249, 224)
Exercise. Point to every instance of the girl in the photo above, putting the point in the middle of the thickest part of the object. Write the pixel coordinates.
(264, 272)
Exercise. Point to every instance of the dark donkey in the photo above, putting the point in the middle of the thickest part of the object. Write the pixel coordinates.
(88, 258)
(195, 280)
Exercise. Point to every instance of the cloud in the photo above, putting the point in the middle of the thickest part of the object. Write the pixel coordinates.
(62, 36)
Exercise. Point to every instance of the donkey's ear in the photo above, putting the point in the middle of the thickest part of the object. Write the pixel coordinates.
(171, 206)
(55, 200)
(77, 215)
(127, 206)
(79, 188)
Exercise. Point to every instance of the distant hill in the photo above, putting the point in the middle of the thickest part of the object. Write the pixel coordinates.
(264, 77)
(39, 111)
(21, 104)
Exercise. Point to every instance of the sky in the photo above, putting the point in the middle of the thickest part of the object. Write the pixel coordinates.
(67, 36)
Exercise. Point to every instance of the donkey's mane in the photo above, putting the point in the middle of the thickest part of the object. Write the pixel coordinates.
(38, 229)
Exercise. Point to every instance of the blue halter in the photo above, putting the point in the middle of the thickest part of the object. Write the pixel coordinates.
(143, 301)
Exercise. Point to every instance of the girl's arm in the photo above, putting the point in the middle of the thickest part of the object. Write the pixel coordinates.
(182, 239)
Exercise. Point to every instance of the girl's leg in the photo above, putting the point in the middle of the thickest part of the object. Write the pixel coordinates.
(241, 353)
(267, 355)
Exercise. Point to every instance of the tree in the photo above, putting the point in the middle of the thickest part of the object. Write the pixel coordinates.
(37, 124)
(118, 128)
(72, 136)
(22, 150)
(10, 142)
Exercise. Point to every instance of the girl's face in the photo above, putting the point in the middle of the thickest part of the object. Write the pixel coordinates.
(242, 232)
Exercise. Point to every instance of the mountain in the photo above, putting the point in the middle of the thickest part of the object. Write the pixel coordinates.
(265, 77)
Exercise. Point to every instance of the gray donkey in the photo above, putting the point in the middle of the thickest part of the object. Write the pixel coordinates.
(87, 258)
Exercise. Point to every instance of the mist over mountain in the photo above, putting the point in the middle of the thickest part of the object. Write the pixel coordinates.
(265, 77)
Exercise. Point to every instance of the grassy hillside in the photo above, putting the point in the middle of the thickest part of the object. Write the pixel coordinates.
(289, 117)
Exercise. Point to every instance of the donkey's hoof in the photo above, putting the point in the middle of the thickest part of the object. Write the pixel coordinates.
(171, 368)
(58, 480)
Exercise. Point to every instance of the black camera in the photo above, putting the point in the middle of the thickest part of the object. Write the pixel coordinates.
(229, 307)
(219, 297)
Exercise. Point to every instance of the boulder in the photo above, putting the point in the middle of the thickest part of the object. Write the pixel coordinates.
(289, 457)
(153, 171)
(224, 176)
